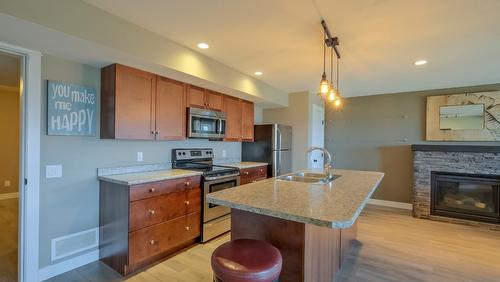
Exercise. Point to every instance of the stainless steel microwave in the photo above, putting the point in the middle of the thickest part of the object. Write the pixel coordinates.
(206, 124)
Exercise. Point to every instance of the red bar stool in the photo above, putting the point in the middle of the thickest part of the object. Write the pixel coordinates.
(246, 260)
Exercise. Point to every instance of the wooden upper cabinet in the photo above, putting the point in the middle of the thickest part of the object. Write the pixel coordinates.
(170, 109)
(196, 97)
(247, 118)
(127, 95)
(214, 100)
(232, 107)
(138, 105)
(204, 98)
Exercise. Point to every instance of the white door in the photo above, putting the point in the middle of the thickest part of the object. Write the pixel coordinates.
(318, 137)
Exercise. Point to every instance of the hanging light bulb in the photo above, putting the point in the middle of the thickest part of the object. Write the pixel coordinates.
(332, 95)
(337, 103)
(324, 85)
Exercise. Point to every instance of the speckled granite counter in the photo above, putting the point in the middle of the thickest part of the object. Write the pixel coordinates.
(243, 165)
(335, 205)
(148, 176)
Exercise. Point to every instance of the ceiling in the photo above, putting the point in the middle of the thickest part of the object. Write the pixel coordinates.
(379, 39)
(9, 70)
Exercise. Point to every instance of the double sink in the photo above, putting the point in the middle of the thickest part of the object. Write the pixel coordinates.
(308, 177)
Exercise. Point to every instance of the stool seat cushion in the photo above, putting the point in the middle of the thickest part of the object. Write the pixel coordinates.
(246, 260)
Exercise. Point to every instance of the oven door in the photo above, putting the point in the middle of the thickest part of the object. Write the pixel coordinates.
(211, 211)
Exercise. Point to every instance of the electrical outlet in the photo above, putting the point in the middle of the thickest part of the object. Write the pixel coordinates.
(224, 153)
(6, 183)
(140, 156)
(53, 171)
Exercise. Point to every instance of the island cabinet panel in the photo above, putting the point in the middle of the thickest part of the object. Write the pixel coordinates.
(127, 96)
(247, 121)
(310, 252)
(141, 224)
(232, 107)
(254, 174)
(170, 109)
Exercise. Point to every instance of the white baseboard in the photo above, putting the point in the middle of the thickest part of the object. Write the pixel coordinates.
(8, 196)
(67, 265)
(399, 205)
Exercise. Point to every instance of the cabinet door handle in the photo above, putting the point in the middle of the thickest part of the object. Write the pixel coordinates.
(261, 170)
(151, 212)
(246, 173)
(187, 228)
(187, 203)
(186, 183)
(153, 132)
(157, 132)
(152, 190)
(152, 242)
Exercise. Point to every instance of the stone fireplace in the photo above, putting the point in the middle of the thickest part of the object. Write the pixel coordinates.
(457, 183)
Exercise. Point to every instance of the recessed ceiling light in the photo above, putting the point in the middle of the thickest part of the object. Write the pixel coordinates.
(420, 63)
(203, 45)
(258, 73)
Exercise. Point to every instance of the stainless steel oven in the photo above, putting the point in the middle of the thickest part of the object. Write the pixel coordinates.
(206, 124)
(217, 219)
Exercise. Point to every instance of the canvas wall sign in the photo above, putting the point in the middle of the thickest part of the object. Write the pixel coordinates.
(464, 117)
(71, 109)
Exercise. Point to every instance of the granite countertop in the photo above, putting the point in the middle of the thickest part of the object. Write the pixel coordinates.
(334, 205)
(148, 176)
(243, 165)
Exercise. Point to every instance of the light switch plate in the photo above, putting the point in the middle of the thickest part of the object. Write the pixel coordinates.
(53, 171)
(140, 157)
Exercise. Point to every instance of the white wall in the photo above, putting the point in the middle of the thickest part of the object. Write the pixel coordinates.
(298, 114)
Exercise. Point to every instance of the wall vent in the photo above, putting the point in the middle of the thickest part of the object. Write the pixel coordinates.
(68, 245)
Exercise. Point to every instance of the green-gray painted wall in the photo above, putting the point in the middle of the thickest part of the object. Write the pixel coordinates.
(376, 133)
(70, 204)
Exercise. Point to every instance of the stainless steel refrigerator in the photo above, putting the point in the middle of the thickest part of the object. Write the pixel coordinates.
(273, 145)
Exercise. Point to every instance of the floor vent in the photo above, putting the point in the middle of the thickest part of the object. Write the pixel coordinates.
(74, 243)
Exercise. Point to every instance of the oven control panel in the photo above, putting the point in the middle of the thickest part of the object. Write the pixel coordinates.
(192, 154)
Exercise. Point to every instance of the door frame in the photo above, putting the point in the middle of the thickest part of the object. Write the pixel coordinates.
(30, 135)
(313, 130)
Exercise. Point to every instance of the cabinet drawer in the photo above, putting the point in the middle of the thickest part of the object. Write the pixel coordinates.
(158, 209)
(249, 175)
(155, 210)
(160, 238)
(148, 190)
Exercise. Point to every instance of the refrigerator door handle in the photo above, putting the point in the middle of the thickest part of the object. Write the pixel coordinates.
(279, 137)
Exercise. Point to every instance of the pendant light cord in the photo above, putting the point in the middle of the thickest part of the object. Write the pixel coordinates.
(331, 65)
(338, 86)
(324, 52)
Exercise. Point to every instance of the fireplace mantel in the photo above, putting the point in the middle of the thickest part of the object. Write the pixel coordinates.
(455, 148)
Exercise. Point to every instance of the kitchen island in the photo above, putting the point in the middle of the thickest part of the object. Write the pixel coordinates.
(313, 225)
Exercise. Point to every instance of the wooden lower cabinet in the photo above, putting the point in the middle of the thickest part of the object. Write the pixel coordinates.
(142, 224)
(253, 174)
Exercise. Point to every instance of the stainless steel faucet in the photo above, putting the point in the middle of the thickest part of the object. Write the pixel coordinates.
(327, 162)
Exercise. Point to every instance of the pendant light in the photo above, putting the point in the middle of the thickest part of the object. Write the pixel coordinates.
(324, 85)
(337, 102)
(332, 94)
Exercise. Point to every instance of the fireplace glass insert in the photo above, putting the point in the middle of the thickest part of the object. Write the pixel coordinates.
(467, 196)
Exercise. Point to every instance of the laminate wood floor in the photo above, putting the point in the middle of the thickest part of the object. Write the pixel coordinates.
(8, 239)
(392, 246)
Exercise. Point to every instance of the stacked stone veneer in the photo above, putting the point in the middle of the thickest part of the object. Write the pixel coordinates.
(424, 162)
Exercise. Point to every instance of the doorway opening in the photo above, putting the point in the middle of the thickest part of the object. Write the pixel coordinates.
(10, 164)
(317, 137)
